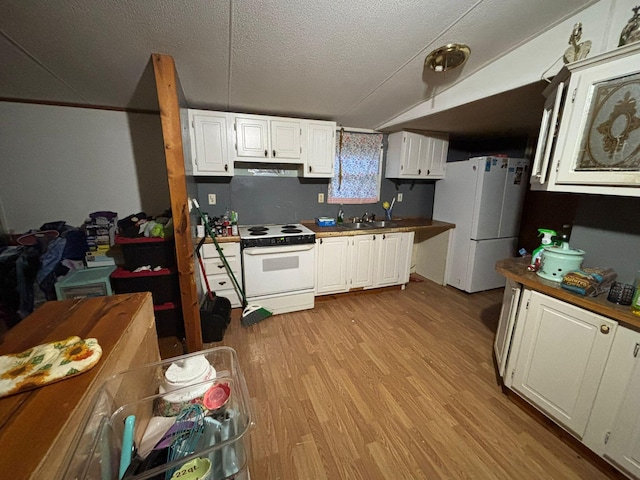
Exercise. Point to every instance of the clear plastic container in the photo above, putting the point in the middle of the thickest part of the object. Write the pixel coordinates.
(218, 434)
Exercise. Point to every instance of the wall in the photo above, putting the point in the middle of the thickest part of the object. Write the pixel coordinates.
(62, 163)
(261, 199)
(608, 230)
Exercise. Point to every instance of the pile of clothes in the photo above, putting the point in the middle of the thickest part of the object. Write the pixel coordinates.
(40, 257)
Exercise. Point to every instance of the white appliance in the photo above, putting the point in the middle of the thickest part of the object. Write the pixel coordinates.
(483, 196)
(278, 263)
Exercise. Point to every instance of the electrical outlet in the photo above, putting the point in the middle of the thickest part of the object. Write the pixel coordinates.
(212, 199)
(399, 199)
(321, 198)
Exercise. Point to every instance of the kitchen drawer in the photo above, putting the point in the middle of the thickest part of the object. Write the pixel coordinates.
(215, 266)
(231, 249)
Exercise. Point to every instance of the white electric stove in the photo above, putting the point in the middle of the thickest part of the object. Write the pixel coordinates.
(278, 264)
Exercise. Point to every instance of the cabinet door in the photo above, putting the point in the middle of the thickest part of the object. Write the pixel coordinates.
(388, 264)
(410, 162)
(623, 446)
(286, 137)
(504, 332)
(547, 137)
(332, 265)
(404, 257)
(321, 149)
(561, 359)
(252, 137)
(211, 153)
(433, 157)
(363, 255)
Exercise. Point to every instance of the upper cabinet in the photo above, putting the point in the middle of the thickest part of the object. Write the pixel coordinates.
(320, 149)
(417, 156)
(268, 139)
(219, 139)
(590, 132)
(210, 143)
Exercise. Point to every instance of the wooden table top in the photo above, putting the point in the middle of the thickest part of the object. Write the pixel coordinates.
(516, 270)
(37, 426)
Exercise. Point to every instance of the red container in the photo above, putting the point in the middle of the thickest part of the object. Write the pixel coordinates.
(141, 251)
(163, 284)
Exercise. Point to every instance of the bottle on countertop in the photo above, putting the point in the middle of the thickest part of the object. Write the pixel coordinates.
(635, 303)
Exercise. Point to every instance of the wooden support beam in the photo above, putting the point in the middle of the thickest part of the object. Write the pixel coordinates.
(168, 87)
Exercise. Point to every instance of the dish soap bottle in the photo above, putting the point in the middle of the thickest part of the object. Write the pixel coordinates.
(635, 303)
(340, 215)
(537, 253)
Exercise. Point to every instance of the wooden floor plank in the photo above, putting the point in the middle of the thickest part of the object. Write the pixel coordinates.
(393, 384)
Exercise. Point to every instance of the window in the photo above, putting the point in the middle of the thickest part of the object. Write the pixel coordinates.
(357, 169)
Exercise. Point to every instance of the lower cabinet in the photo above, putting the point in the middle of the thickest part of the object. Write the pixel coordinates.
(362, 261)
(219, 280)
(561, 355)
(580, 368)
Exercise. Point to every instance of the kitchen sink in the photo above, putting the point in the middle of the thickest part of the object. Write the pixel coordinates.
(383, 224)
(356, 226)
(365, 225)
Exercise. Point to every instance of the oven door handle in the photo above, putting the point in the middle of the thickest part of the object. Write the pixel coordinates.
(283, 249)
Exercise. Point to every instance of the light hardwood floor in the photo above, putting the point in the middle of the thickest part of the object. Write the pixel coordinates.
(392, 385)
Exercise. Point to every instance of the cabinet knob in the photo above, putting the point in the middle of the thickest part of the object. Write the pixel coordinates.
(604, 329)
(310, 168)
(266, 153)
(419, 171)
(274, 153)
(320, 240)
(220, 266)
(428, 172)
(384, 235)
(226, 167)
(222, 283)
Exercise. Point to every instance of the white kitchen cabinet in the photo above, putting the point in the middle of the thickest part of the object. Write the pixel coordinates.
(320, 150)
(211, 134)
(268, 139)
(596, 149)
(393, 259)
(332, 265)
(558, 357)
(218, 277)
(363, 256)
(362, 261)
(506, 325)
(623, 441)
(416, 156)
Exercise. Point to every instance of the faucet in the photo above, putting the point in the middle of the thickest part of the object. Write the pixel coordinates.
(365, 217)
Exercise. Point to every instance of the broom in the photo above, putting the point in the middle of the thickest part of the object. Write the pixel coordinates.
(251, 314)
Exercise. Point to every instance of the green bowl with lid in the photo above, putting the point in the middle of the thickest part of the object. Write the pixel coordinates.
(556, 261)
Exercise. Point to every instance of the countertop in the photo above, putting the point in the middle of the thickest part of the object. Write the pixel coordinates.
(37, 427)
(425, 226)
(516, 270)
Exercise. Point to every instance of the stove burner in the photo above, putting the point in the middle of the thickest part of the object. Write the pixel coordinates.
(289, 226)
(258, 232)
(258, 229)
(291, 230)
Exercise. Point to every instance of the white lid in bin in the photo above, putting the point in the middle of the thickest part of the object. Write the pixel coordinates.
(189, 371)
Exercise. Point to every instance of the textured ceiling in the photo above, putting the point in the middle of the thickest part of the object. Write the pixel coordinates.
(358, 62)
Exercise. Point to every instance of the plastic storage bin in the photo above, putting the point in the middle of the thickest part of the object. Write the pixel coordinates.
(169, 322)
(222, 438)
(89, 282)
(163, 284)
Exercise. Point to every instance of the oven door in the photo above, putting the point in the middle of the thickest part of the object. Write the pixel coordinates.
(283, 269)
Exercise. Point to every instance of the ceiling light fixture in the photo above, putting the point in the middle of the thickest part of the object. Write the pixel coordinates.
(445, 58)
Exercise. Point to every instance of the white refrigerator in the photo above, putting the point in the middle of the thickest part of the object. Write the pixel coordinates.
(483, 196)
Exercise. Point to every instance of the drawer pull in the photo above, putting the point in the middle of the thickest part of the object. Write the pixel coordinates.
(604, 329)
